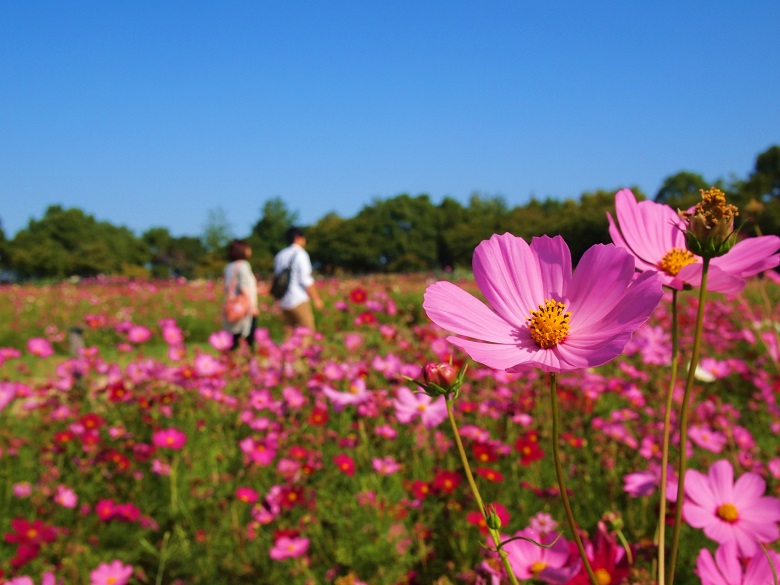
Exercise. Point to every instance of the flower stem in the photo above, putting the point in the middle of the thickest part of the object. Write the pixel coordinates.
(562, 485)
(685, 407)
(665, 447)
(495, 535)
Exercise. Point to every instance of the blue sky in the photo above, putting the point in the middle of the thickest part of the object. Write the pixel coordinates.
(153, 113)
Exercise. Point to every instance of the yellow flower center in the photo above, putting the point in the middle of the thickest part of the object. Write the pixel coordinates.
(602, 576)
(111, 580)
(728, 512)
(354, 389)
(549, 325)
(675, 260)
(421, 407)
(538, 567)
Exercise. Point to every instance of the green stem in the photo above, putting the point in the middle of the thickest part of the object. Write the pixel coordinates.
(685, 407)
(495, 535)
(562, 485)
(665, 447)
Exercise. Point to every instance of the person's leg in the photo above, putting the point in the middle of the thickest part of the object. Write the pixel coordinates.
(236, 341)
(251, 337)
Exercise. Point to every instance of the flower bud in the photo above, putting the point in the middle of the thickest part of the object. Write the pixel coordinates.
(443, 375)
(492, 520)
(710, 225)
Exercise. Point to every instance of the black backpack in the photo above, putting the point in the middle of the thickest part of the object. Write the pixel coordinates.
(281, 281)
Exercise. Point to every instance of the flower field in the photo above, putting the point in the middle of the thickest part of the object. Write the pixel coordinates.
(142, 451)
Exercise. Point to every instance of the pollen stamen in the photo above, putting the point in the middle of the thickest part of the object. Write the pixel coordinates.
(675, 260)
(728, 512)
(549, 325)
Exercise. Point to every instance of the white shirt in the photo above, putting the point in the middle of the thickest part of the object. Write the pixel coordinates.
(300, 276)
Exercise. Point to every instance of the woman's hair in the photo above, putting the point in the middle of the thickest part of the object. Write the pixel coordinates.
(238, 250)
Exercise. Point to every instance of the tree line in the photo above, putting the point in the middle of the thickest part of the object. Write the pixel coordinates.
(404, 233)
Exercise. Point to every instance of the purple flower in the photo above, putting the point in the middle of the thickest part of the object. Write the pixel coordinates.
(409, 406)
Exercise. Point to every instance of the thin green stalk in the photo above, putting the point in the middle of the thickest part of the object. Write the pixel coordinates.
(665, 447)
(495, 535)
(684, 409)
(562, 485)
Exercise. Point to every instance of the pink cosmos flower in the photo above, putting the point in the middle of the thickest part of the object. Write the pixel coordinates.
(706, 438)
(541, 314)
(114, 573)
(247, 495)
(221, 340)
(356, 394)
(409, 406)
(40, 347)
(731, 512)
(139, 334)
(169, 439)
(66, 497)
(726, 567)
(385, 465)
(286, 547)
(654, 234)
(345, 463)
(529, 561)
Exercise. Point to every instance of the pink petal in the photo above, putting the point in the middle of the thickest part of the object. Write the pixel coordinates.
(728, 562)
(750, 256)
(708, 570)
(455, 310)
(697, 516)
(717, 279)
(554, 261)
(721, 476)
(599, 282)
(498, 356)
(508, 274)
(698, 490)
(749, 488)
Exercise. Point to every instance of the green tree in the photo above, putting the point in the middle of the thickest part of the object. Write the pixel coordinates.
(217, 231)
(683, 189)
(268, 234)
(69, 242)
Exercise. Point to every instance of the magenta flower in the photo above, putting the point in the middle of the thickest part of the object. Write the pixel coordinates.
(409, 406)
(706, 438)
(726, 568)
(529, 561)
(731, 512)
(356, 394)
(40, 347)
(169, 439)
(385, 465)
(114, 573)
(542, 315)
(221, 340)
(139, 334)
(654, 234)
(287, 547)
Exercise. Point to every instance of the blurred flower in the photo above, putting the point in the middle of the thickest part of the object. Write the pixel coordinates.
(66, 497)
(247, 495)
(345, 463)
(409, 406)
(221, 340)
(726, 568)
(170, 438)
(289, 547)
(477, 519)
(706, 438)
(542, 315)
(113, 573)
(40, 347)
(446, 481)
(385, 465)
(139, 334)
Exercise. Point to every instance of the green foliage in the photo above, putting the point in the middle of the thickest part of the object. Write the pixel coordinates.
(404, 233)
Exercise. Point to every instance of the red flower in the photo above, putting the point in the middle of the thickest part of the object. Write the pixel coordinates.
(291, 496)
(489, 474)
(420, 489)
(528, 447)
(319, 417)
(358, 295)
(446, 482)
(32, 533)
(607, 559)
(484, 453)
(345, 463)
(92, 421)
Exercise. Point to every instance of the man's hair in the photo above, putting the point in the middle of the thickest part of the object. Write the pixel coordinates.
(294, 232)
(238, 250)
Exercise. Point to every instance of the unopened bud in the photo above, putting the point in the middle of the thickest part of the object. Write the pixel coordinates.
(491, 518)
(443, 375)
